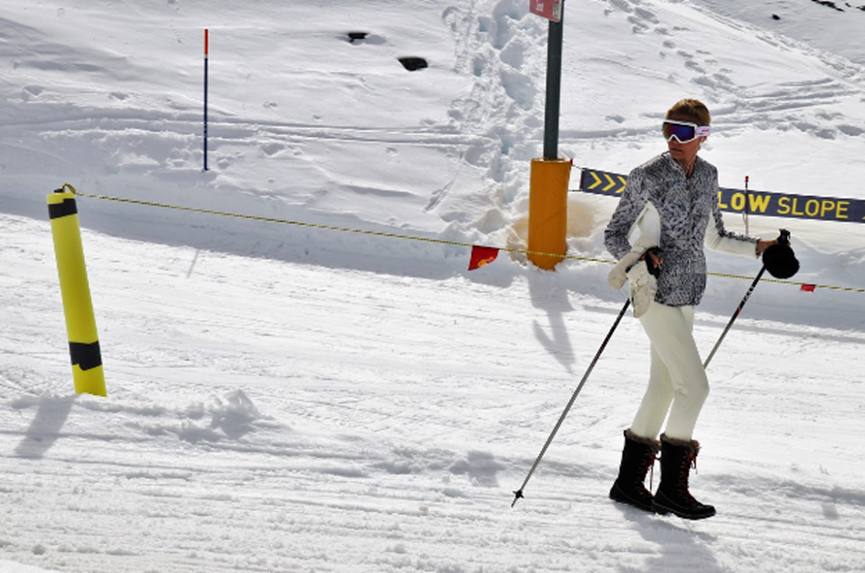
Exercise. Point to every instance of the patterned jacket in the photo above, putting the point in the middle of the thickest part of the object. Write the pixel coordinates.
(690, 217)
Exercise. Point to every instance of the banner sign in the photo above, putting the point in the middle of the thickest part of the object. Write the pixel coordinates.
(549, 9)
(751, 202)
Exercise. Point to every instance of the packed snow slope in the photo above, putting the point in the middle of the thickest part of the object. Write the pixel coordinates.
(296, 398)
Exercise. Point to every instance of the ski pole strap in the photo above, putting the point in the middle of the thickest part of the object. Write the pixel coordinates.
(519, 493)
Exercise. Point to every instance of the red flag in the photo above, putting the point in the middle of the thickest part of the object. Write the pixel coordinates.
(808, 288)
(482, 256)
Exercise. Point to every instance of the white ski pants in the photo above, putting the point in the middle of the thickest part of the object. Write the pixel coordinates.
(677, 379)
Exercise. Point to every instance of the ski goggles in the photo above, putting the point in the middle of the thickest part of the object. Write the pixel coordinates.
(683, 131)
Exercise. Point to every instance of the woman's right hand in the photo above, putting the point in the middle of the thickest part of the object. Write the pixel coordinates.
(764, 244)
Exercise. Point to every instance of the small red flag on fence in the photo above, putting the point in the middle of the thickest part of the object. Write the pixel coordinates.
(482, 256)
(808, 288)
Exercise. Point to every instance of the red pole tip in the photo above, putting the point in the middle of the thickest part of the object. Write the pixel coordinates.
(206, 40)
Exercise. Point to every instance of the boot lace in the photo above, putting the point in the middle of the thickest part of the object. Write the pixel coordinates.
(690, 461)
(650, 468)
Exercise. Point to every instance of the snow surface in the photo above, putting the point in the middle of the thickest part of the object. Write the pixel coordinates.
(291, 398)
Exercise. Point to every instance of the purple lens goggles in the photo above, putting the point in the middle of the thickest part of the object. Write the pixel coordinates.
(683, 131)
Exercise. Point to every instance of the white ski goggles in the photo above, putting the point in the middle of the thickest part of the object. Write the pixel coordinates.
(683, 131)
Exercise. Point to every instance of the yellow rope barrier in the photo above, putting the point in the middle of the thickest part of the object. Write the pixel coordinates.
(407, 237)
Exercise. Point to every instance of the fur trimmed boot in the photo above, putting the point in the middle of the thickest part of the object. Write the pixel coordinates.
(677, 458)
(638, 456)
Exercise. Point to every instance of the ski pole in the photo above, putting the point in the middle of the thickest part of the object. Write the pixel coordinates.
(735, 315)
(519, 493)
(783, 240)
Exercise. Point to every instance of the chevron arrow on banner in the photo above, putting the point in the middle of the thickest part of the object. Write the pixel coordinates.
(603, 182)
(611, 184)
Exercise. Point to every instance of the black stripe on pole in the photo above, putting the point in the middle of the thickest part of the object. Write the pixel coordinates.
(64, 209)
(86, 356)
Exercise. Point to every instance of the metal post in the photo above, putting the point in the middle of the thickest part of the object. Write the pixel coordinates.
(554, 87)
(548, 191)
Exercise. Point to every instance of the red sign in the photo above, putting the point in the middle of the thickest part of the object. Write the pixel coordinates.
(549, 9)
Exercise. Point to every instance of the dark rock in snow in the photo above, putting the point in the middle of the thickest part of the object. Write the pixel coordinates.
(412, 64)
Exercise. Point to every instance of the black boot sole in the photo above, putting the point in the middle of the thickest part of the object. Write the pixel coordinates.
(619, 496)
(694, 514)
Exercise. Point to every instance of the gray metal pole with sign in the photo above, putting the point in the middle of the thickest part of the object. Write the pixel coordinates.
(548, 202)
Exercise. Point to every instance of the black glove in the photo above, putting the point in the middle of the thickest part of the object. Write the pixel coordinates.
(779, 259)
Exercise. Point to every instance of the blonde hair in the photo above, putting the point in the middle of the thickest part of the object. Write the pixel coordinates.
(692, 108)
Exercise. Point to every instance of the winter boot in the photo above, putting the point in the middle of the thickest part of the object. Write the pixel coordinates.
(637, 457)
(677, 458)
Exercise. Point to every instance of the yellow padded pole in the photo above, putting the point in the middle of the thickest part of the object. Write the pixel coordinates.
(548, 211)
(75, 291)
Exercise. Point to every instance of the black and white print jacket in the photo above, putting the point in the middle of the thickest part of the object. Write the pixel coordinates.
(690, 217)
